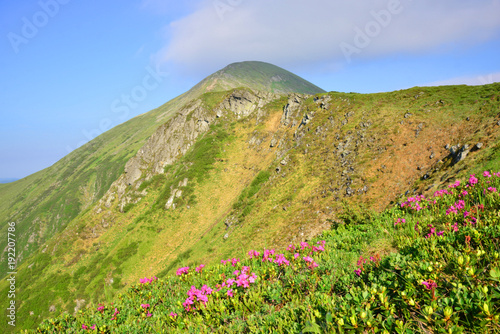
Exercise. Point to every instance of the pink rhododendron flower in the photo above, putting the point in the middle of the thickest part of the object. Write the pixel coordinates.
(429, 284)
(182, 271)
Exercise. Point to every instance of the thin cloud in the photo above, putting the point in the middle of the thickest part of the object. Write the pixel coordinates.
(296, 32)
(482, 79)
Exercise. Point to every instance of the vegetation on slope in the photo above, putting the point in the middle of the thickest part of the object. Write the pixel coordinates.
(100, 255)
(442, 277)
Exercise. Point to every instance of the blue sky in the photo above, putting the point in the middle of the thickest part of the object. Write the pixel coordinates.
(66, 65)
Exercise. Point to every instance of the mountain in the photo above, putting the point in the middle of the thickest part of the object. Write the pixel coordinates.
(258, 76)
(240, 161)
(44, 203)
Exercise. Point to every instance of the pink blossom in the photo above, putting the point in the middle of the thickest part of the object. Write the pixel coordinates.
(304, 245)
(148, 315)
(230, 293)
(182, 271)
(173, 314)
(473, 180)
(430, 284)
(357, 272)
(84, 326)
(145, 306)
(200, 268)
(486, 174)
(492, 189)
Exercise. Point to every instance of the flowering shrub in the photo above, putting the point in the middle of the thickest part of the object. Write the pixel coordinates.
(443, 278)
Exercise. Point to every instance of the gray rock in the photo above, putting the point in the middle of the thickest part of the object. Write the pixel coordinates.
(479, 145)
(52, 308)
(407, 115)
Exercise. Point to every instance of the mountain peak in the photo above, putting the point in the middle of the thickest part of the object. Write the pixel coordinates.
(259, 76)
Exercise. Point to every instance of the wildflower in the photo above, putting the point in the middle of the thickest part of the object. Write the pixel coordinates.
(304, 245)
(100, 308)
(492, 189)
(148, 315)
(253, 253)
(455, 227)
(200, 268)
(281, 260)
(290, 248)
(464, 193)
(84, 327)
(416, 226)
(357, 272)
(430, 284)
(296, 255)
(486, 174)
(145, 306)
(454, 185)
(173, 314)
(230, 293)
(93, 327)
(182, 271)
(440, 233)
(147, 280)
(473, 180)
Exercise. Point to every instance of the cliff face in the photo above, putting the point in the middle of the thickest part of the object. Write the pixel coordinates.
(174, 138)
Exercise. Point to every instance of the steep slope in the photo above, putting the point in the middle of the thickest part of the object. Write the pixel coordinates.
(45, 203)
(242, 169)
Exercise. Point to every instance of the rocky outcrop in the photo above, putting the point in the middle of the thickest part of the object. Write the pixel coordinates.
(173, 139)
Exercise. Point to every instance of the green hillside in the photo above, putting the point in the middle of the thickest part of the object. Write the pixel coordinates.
(45, 203)
(215, 173)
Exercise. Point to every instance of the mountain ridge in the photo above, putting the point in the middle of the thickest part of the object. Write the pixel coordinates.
(220, 172)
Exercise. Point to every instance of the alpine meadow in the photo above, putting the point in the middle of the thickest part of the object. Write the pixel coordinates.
(257, 202)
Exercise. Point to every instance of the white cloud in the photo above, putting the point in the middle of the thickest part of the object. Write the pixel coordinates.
(469, 80)
(297, 32)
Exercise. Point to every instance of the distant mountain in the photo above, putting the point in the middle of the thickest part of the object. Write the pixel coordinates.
(8, 180)
(257, 75)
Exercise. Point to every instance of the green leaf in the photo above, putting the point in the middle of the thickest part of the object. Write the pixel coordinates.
(311, 327)
(495, 273)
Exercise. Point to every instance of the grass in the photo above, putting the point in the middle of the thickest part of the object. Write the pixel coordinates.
(304, 199)
(356, 277)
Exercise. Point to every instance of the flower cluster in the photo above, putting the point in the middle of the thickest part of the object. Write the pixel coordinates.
(182, 271)
(199, 269)
(232, 261)
(196, 295)
(147, 280)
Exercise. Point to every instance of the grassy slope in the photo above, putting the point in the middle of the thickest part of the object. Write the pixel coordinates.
(293, 205)
(45, 203)
(442, 276)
